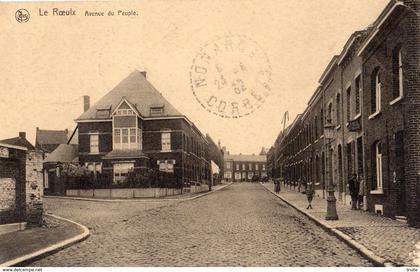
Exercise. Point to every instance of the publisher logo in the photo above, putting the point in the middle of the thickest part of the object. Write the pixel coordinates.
(22, 15)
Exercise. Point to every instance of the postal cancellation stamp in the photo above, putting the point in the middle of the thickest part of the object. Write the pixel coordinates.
(230, 76)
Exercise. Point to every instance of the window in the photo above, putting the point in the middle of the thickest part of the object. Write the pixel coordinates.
(228, 165)
(397, 73)
(358, 90)
(166, 141)
(127, 138)
(94, 143)
(237, 167)
(338, 107)
(375, 102)
(329, 113)
(316, 127)
(250, 166)
(124, 112)
(95, 167)
(121, 170)
(378, 165)
(256, 166)
(263, 167)
(237, 176)
(250, 175)
(243, 166)
(156, 111)
(348, 104)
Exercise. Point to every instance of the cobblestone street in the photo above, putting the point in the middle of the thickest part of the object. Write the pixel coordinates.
(241, 225)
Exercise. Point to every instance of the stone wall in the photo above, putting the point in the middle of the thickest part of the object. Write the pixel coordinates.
(34, 187)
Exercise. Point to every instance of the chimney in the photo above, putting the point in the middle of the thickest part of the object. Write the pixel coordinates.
(22, 135)
(144, 74)
(86, 102)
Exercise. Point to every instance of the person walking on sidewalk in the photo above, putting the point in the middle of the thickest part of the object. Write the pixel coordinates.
(361, 192)
(309, 194)
(276, 186)
(354, 191)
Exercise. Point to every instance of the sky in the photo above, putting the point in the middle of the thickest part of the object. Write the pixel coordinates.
(50, 62)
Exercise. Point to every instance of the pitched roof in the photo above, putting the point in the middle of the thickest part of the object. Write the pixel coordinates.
(246, 158)
(51, 137)
(18, 141)
(138, 91)
(63, 153)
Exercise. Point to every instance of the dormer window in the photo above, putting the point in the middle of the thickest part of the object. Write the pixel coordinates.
(156, 110)
(103, 113)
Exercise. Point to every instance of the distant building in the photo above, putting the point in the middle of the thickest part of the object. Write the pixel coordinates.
(63, 154)
(48, 140)
(263, 151)
(245, 167)
(19, 141)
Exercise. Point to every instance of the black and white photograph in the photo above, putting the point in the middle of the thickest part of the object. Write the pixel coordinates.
(226, 134)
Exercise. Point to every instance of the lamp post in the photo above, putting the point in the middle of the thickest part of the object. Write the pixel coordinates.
(329, 132)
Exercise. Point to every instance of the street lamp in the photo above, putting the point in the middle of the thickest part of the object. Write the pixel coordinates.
(330, 132)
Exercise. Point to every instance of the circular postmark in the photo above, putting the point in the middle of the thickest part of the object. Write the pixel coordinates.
(22, 15)
(230, 76)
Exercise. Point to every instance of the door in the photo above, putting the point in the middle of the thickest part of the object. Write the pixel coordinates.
(399, 175)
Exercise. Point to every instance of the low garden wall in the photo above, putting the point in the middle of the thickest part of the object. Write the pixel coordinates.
(134, 192)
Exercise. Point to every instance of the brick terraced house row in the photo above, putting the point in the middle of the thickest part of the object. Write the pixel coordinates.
(364, 119)
(133, 127)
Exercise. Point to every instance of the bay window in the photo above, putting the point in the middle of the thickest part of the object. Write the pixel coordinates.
(121, 171)
(127, 138)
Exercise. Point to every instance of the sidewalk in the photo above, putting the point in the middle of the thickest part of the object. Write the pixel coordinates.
(182, 197)
(19, 248)
(383, 240)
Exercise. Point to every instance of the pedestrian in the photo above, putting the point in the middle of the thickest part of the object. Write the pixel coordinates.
(361, 192)
(309, 194)
(276, 186)
(354, 191)
(299, 184)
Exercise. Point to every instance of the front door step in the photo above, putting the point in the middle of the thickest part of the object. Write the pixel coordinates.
(401, 218)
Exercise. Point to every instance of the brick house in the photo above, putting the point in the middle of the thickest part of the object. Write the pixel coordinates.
(245, 167)
(352, 133)
(391, 55)
(133, 127)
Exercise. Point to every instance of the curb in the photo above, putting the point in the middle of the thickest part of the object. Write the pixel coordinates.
(367, 253)
(21, 261)
(207, 193)
(150, 200)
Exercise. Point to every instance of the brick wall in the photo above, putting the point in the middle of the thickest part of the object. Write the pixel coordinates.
(412, 72)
